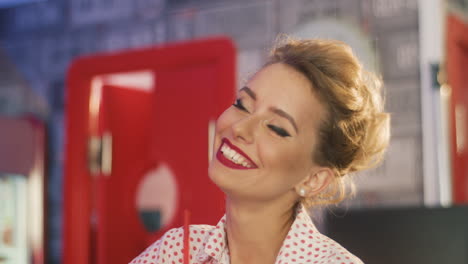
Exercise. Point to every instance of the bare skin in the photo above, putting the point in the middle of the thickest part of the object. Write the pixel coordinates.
(255, 233)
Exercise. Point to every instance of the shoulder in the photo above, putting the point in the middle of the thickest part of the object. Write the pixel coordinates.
(170, 246)
(305, 242)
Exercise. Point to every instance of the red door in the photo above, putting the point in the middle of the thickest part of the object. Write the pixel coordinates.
(151, 139)
(457, 74)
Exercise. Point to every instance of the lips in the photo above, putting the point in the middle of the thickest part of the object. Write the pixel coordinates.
(233, 157)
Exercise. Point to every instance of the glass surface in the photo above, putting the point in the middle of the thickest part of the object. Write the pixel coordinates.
(13, 215)
(157, 198)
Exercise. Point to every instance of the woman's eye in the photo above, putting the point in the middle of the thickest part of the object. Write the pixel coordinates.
(278, 130)
(238, 104)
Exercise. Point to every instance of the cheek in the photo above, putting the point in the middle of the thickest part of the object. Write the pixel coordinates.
(223, 121)
(289, 161)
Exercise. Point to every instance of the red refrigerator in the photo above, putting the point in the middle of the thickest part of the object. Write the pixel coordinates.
(138, 131)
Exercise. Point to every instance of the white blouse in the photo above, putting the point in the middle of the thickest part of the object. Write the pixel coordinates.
(303, 244)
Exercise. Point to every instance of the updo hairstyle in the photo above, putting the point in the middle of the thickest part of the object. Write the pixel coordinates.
(355, 132)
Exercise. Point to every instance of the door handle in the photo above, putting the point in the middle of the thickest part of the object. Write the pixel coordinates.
(100, 154)
(460, 127)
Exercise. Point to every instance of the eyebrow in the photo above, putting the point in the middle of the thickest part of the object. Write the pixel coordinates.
(249, 92)
(285, 115)
(273, 109)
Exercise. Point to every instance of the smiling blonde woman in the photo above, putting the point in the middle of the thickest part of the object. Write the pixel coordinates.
(306, 120)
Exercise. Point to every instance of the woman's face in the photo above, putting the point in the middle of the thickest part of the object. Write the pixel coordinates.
(264, 142)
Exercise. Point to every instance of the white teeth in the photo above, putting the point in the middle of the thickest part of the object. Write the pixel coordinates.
(234, 156)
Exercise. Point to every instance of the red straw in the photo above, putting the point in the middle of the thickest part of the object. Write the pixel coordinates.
(186, 237)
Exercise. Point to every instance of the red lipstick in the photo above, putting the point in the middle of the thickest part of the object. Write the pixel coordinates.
(227, 162)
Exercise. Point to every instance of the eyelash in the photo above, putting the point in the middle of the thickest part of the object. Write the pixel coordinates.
(238, 104)
(278, 130)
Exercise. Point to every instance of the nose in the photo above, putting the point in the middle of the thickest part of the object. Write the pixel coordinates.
(245, 130)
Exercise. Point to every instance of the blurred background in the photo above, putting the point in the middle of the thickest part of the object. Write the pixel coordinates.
(408, 42)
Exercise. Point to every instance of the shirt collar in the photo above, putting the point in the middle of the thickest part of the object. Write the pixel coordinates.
(214, 243)
(302, 236)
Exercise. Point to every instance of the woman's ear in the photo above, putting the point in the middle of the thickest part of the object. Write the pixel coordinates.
(315, 182)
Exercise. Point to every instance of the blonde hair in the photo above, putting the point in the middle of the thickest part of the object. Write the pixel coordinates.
(356, 131)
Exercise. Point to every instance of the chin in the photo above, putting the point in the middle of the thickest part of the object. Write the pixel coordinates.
(220, 177)
(214, 172)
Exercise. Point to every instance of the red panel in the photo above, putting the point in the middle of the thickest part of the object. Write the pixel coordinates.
(195, 82)
(120, 234)
(17, 143)
(184, 113)
(457, 65)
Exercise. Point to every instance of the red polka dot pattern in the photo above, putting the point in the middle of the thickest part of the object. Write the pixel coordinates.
(303, 244)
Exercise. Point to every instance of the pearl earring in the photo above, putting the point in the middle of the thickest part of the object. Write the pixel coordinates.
(302, 192)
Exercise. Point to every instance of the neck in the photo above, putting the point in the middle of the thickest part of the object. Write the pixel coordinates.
(255, 232)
